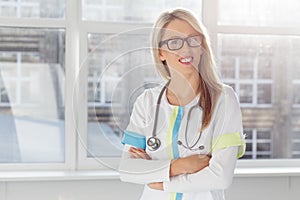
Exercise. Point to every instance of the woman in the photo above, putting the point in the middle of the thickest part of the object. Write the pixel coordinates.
(183, 139)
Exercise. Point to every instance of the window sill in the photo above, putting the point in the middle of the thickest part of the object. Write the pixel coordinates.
(13, 176)
(267, 171)
(6, 176)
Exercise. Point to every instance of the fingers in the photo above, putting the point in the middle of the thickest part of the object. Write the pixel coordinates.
(204, 157)
(138, 153)
(156, 186)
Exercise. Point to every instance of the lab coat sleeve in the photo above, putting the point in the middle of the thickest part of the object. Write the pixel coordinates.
(218, 175)
(142, 171)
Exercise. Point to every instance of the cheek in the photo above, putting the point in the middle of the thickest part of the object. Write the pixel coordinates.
(197, 55)
(171, 57)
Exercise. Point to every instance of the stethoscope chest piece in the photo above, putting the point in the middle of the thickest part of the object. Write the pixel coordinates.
(153, 143)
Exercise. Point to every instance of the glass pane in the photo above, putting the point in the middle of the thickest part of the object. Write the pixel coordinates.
(126, 10)
(32, 95)
(265, 68)
(263, 135)
(264, 94)
(248, 134)
(263, 147)
(246, 93)
(259, 12)
(32, 8)
(228, 67)
(248, 146)
(263, 156)
(296, 62)
(246, 67)
(259, 59)
(114, 63)
(296, 146)
(266, 74)
(247, 156)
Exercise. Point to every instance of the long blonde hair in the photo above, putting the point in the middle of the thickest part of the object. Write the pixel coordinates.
(210, 84)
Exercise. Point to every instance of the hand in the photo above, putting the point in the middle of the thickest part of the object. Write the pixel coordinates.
(156, 186)
(195, 163)
(138, 153)
(189, 165)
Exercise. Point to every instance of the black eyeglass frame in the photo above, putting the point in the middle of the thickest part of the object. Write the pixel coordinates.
(161, 43)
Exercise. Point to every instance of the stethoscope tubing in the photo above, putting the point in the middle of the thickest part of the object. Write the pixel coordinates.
(154, 143)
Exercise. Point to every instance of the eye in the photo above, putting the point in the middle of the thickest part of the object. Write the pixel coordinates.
(195, 41)
(175, 43)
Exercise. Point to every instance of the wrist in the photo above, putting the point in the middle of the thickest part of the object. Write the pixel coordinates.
(177, 167)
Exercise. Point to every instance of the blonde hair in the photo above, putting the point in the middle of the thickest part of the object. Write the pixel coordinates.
(210, 84)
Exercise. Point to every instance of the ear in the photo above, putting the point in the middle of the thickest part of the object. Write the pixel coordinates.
(161, 56)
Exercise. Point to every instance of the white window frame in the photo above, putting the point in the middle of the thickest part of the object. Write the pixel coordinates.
(19, 5)
(87, 27)
(210, 20)
(69, 23)
(254, 141)
(76, 81)
(254, 82)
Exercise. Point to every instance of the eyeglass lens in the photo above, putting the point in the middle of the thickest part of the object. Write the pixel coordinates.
(177, 43)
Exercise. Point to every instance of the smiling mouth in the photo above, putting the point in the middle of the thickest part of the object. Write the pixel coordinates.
(186, 60)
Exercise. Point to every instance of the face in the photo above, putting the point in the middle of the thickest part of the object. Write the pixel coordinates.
(186, 59)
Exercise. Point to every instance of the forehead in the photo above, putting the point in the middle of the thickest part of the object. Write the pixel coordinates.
(179, 28)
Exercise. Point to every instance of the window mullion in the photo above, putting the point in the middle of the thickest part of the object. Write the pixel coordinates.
(72, 70)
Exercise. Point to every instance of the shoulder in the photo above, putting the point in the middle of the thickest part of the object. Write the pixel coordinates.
(228, 94)
(149, 95)
(228, 98)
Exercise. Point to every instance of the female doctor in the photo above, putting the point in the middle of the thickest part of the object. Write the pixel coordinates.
(184, 138)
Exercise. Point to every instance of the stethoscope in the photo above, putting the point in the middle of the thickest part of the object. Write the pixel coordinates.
(154, 143)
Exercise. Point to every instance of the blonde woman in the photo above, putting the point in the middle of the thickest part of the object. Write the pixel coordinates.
(184, 138)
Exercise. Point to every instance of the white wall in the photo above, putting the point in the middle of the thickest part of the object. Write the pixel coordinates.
(265, 188)
(243, 188)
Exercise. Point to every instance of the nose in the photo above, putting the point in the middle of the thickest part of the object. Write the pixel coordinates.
(185, 49)
(185, 44)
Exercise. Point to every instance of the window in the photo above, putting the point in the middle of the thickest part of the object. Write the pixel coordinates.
(113, 65)
(32, 8)
(247, 63)
(68, 80)
(296, 144)
(32, 95)
(126, 11)
(114, 61)
(257, 54)
(259, 13)
(32, 83)
(258, 144)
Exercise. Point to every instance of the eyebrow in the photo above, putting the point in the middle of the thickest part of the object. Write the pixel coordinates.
(189, 35)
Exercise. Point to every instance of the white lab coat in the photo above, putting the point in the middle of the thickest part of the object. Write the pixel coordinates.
(210, 182)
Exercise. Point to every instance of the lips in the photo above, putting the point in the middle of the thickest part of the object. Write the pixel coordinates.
(186, 60)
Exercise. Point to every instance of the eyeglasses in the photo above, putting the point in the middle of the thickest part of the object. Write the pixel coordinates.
(177, 43)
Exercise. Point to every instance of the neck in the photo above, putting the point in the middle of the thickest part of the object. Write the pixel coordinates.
(182, 90)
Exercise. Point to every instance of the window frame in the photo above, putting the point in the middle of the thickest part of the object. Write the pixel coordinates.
(86, 28)
(71, 54)
(76, 104)
(210, 20)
